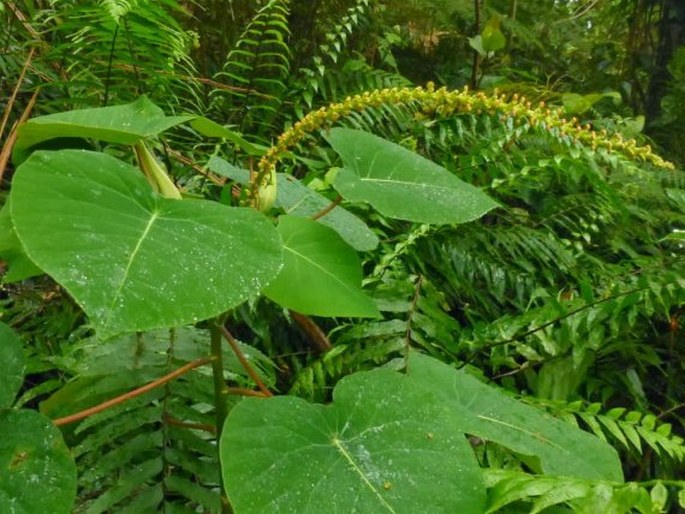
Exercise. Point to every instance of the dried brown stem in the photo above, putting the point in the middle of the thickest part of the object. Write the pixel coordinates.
(313, 331)
(193, 426)
(328, 208)
(132, 394)
(7, 148)
(13, 96)
(244, 362)
(189, 162)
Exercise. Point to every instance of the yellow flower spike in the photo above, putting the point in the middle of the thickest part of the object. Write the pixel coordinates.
(442, 102)
(155, 173)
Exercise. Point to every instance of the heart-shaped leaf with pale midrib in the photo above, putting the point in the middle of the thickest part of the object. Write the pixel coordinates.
(383, 446)
(132, 259)
(400, 183)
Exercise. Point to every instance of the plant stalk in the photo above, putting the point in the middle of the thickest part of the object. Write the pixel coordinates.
(220, 394)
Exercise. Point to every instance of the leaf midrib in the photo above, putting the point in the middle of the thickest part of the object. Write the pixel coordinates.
(117, 294)
(318, 266)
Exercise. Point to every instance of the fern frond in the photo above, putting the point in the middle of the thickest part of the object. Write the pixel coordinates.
(156, 452)
(257, 68)
(538, 493)
(313, 80)
(117, 9)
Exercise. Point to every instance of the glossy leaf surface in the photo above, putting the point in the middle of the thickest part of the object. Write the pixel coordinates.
(560, 448)
(296, 198)
(401, 184)
(38, 473)
(382, 446)
(132, 259)
(124, 124)
(321, 273)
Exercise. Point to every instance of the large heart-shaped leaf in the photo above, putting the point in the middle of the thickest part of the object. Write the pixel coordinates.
(297, 199)
(132, 259)
(37, 471)
(13, 364)
(382, 446)
(487, 413)
(321, 273)
(400, 183)
(124, 124)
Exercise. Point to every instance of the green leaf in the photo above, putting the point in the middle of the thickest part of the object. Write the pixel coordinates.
(476, 43)
(124, 124)
(382, 446)
(210, 128)
(296, 198)
(132, 259)
(321, 273)
(20, 266)
(492, 37)
(37, 469)
(487, 413)
(13, 365)
(401, 184)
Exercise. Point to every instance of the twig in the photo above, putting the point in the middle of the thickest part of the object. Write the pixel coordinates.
(132, 394)
(313, 330)
(476, 55)
(13, 96)
(241, 391)
(7, 148)
(35, 35)
(194, 426)
(244, 362)
(328, 208)
(189, 162)
(202, 80)
(547, 324)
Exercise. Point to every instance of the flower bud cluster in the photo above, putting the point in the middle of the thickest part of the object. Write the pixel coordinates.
(445, 103)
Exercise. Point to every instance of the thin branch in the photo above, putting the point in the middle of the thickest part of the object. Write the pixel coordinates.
(189, 162)
(132, 394)
(7, 148)
(578, 13)
(194, 426)
(202, 80)
(316, 335)
(13, 96)
(241, 391)
(476, 55)
(35, 35)
(244, 362)
(547, 324)
(328, 208)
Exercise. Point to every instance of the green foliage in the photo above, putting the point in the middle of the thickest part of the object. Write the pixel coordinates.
(257, 69)
(566, 297)
(318, 260)
(401, 184)
(511, 491)
(32, 450)
(390, 449)
(153, 256)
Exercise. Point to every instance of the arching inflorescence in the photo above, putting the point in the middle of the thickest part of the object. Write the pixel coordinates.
(442, 102)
